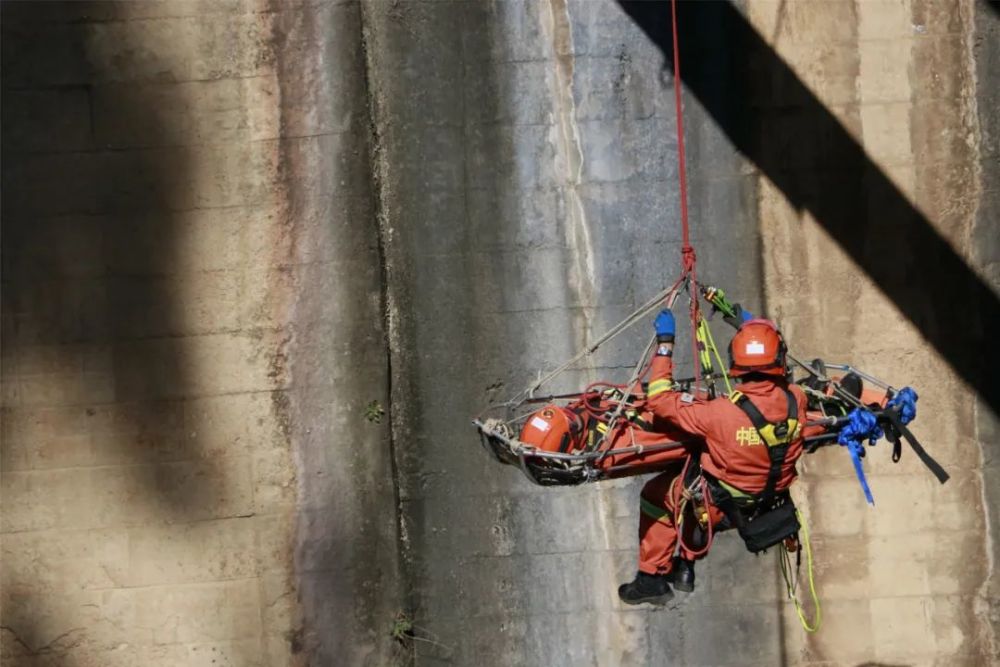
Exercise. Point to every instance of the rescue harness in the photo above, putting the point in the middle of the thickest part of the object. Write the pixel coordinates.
(766, 518)
(777, 436)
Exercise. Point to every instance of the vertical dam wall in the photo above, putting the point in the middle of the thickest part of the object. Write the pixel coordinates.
(264, 261)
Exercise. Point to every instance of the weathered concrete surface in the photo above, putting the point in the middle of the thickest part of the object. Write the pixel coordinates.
(528, 179)
(910, 581)
(346, 565)
(231, 227)
(191, 293)
(984, 245)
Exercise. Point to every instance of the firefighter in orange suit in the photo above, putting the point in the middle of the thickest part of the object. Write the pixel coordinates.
(734, 460)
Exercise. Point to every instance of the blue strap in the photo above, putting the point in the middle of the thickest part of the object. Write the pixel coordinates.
(861, 425)
(860, 472)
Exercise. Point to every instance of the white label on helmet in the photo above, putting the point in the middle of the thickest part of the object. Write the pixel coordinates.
(540, 424)
(753, 347)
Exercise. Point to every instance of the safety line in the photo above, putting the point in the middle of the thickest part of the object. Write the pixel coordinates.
(666, 296)
(686, 249)
(784, 559)
(688, 257)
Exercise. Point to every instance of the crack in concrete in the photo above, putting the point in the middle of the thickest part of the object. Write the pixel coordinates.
(378, 169)
(985, 605)
(47, 647)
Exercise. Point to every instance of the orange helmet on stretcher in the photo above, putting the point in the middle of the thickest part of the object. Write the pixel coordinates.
(757, 347)
(553, 429)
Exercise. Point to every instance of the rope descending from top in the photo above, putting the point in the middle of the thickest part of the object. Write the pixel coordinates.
(688, 278)
(687, 250)
(688, 257)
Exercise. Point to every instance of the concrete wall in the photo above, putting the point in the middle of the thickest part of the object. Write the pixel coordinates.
(233, 230)
(527, 163)
(984, 251)
(191, 311)
(909, 581)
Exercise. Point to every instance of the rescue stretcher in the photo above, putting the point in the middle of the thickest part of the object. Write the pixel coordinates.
(628, 450)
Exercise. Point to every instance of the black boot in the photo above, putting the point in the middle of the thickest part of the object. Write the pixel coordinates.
(651, 588)
(681, 575)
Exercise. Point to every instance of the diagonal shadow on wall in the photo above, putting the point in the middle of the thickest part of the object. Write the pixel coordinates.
(800, 146)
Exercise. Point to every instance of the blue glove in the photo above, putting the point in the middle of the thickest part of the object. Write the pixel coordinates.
(665, 326)
(906, 401)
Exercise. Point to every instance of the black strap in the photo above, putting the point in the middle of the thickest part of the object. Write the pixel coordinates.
(895, 437)
(918, 449)
(777, 453)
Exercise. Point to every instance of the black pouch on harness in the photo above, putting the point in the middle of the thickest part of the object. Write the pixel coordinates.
(772, 527)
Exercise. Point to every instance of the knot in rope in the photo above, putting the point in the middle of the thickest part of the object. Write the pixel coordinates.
(688, 258)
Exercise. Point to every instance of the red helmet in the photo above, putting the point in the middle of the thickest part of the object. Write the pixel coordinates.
(553, 429)
(757, 348)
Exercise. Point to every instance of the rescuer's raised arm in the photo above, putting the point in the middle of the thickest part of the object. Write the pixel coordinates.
(681, 409)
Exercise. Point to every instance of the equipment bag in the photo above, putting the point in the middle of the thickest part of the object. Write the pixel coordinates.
(760, 529)
(772, 527)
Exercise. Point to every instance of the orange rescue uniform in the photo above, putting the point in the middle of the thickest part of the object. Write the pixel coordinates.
(733, 453)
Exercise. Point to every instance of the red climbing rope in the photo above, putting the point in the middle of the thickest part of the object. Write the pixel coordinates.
(688, 257)
(687, 251)
(679, 496)
(679, 502)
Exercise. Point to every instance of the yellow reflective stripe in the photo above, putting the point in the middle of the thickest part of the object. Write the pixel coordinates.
(602, 427)
(659, 386)
(654, 512)
(736, 396)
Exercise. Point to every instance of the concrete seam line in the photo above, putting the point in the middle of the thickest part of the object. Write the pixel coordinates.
(974, 118)
(389, 300)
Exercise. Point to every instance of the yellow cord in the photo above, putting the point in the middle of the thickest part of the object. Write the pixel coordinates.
(785, 561)
(703, 354)
(710, 344)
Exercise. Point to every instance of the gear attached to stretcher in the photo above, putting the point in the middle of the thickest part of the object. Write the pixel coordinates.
(603, 432)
